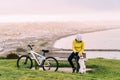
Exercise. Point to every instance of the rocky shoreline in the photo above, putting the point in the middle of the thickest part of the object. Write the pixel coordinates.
(43, 35)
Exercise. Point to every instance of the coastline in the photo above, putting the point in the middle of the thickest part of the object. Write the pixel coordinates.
(99, 41)
(15, 35)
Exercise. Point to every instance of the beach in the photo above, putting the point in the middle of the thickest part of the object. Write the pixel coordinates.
(106, 40)
(100, 44)
(44, 34)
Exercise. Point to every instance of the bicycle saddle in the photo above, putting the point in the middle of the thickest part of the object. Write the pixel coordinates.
(45, 51)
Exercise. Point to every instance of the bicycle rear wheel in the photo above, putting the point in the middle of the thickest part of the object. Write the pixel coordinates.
(50, 64)
(24, 62)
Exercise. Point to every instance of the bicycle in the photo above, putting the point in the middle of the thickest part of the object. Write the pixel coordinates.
(47, 63)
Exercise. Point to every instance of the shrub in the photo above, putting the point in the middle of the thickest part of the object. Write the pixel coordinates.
(20, 50)
(12, 56)
(1, 57)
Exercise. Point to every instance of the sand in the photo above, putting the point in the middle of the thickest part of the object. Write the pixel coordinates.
(44, 34)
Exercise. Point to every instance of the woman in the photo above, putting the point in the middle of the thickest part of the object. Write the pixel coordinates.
(78, 49)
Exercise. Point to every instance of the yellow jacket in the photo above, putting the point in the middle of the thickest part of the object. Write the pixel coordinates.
(78, 46)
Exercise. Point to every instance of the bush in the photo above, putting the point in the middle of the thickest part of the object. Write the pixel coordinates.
(20, 50)
(12, 56)
(1, 57)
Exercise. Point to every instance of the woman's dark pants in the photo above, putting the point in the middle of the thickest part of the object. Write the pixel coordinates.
(76, 57)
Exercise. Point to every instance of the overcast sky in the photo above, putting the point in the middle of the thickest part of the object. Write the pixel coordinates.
(60, 7)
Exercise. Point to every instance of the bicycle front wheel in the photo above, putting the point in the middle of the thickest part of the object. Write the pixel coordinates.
(50, 63)
(24, 62)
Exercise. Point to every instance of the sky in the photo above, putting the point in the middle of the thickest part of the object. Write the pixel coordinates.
(59, 10)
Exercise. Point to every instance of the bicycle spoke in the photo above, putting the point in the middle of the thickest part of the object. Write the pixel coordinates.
(24, 62)
(50, 64)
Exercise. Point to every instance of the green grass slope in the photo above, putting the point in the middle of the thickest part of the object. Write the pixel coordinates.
(103, 69)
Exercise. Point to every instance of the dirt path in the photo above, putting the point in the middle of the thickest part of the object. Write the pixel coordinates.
(65, 69)
(68, 69)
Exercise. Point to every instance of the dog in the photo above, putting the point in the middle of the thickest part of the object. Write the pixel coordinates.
(82, 65)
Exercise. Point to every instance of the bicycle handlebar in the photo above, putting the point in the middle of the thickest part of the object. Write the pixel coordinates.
(30, 46)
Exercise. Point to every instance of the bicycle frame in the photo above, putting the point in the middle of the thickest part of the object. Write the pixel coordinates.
(34, 56)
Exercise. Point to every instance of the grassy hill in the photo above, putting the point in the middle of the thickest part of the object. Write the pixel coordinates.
(103, 69)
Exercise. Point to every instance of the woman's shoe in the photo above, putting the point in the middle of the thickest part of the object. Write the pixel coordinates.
(77, 70)
(73, 70)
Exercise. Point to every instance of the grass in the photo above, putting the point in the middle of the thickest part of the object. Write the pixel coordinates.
(104, 69)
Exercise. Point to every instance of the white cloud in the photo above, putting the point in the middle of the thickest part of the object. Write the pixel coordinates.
(59, 10)
(57, 6)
